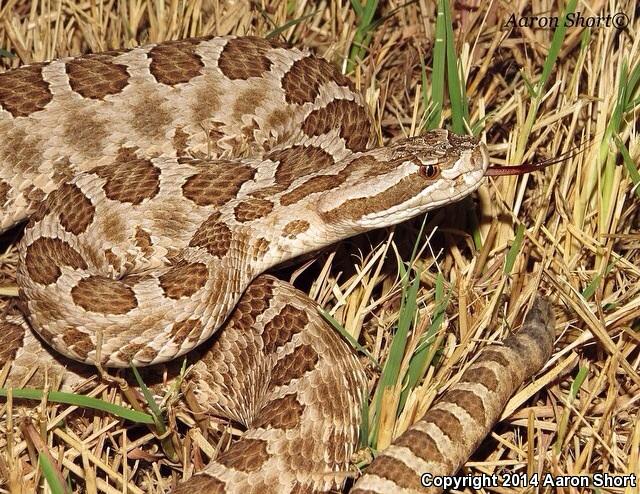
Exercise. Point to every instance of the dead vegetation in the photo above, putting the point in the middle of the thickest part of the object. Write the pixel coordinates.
(571, 231)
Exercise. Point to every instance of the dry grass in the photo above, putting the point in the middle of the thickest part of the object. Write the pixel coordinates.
(581, 220)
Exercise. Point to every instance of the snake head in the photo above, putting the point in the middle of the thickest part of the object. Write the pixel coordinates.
(414, 175)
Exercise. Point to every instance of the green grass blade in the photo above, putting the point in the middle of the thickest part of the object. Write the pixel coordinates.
(632, 105)
(414, 251)
(364, 423)
(583, 372)
(514, 250)
(606, 156)
(478, 125)
(474, 225)
(591, 288)
(633, 81)
(554, 50)
(632, 169)
(362, 36)
(391, 371)
(457, 96)
(437, 72)
(359, 9)
(50, 475)
(151, 402)
(531, 90)
(158, 417)
(279, 30)
(593, 285)
(81, 401)
(418, 363)
(345, 334)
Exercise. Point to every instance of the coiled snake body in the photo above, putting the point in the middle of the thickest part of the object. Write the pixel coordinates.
(160, 182)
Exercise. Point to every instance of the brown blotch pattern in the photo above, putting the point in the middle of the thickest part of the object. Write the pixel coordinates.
(148, 354)
(267, 192)
(21, 150)
(33, 195)
(4, 192)
(421, 445)
(393, 469)
(283, 326)
(180, 141)
(201, 482)
(214, 236)
(217, 186)
(314, 185)
(143, 241)
(113, 227)
(175, 62)
(150, 115)
(447, 422)
(247, 102)
(128, 352)
(252, 209)
(75, 209)
(298, 161)
(242, 58)
(282, 413)
(260, 248)
(489, 355)
(213, 136)
(247, 455)
(348, 116)
(368, 166)
(24, 91)
(45, 256)
(184, 279)
(471, 403)
(78, 342)
(209, 91)
(86, 130)
(11, 337)
(405, 189)
(104, 295)
(293, 366)
(482, 375)
(181, 330)
(299, 459)
(131, 181)
(279, 119)
(132, 280)
(305, 77)
(40, 306)
(96, 76)
(295, 228)
(112, 259)
(253, 303)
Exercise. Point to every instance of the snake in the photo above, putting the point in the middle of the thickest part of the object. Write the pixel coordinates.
(158, 184)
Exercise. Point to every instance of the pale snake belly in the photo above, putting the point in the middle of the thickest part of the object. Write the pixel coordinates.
(161, 182)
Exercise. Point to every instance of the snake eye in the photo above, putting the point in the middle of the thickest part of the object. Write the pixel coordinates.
(429, 171)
